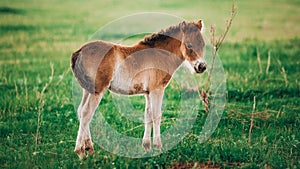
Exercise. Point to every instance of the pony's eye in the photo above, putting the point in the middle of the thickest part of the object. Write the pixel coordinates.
(189, 45)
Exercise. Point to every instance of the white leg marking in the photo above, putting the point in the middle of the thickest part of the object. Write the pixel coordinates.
(156, 98)
(83, 141)
(85, 94)
(148, 124)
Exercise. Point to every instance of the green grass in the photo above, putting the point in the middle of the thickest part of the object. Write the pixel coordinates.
(38, 129)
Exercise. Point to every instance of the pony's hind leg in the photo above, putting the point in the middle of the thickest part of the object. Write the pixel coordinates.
(148, 124)
(85, 94)
(84, 142)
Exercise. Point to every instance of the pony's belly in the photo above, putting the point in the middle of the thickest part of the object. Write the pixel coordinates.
(128, 88)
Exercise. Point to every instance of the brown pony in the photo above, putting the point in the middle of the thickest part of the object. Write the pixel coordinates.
(144, 68)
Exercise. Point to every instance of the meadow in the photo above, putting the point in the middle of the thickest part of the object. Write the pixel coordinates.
(260, 56)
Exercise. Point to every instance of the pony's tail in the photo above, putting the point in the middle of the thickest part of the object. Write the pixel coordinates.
(79, 72)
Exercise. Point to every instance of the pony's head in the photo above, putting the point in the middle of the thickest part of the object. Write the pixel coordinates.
(192, 45)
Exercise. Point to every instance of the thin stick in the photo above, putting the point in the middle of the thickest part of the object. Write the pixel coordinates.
(269, 62)
(61, 77)
(26, 91)
(251, 120)
(228, 25)
(217, 43)
(26, 88)
(284, 76)
(258, 60)
(16, 90)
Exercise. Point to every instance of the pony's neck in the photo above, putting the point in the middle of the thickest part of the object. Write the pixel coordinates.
(171, 44)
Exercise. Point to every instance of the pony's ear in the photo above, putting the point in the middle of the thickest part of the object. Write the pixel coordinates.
(182, 26)
(200, 25)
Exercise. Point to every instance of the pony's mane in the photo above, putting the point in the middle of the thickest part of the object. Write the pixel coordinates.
(160, 36)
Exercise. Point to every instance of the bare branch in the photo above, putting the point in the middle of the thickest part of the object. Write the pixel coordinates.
(216, 43)
(220, 40)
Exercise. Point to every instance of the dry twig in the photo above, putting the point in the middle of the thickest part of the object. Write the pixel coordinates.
(216, 43)
(41, 102)
(251, 120)
(269, 62)
(259, 61)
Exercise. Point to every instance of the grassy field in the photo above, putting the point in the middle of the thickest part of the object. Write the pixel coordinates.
(38, 122)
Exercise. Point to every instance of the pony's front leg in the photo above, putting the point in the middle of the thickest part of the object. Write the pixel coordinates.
(84, 141)
(148, 124)
(156, 98)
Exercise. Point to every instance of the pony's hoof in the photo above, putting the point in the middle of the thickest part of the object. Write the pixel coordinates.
(89, 146)
(146, 145)
(86, 147)
(80, 153)
(90, 151)
(157, 144)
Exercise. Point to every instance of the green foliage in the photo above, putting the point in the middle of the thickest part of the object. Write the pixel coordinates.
(34, 34)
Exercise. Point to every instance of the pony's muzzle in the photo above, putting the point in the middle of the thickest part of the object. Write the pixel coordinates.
(200, 67)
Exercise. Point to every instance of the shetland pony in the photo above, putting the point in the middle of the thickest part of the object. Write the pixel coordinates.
(144, 68)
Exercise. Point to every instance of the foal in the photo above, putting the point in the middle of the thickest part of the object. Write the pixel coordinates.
(144, 68)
